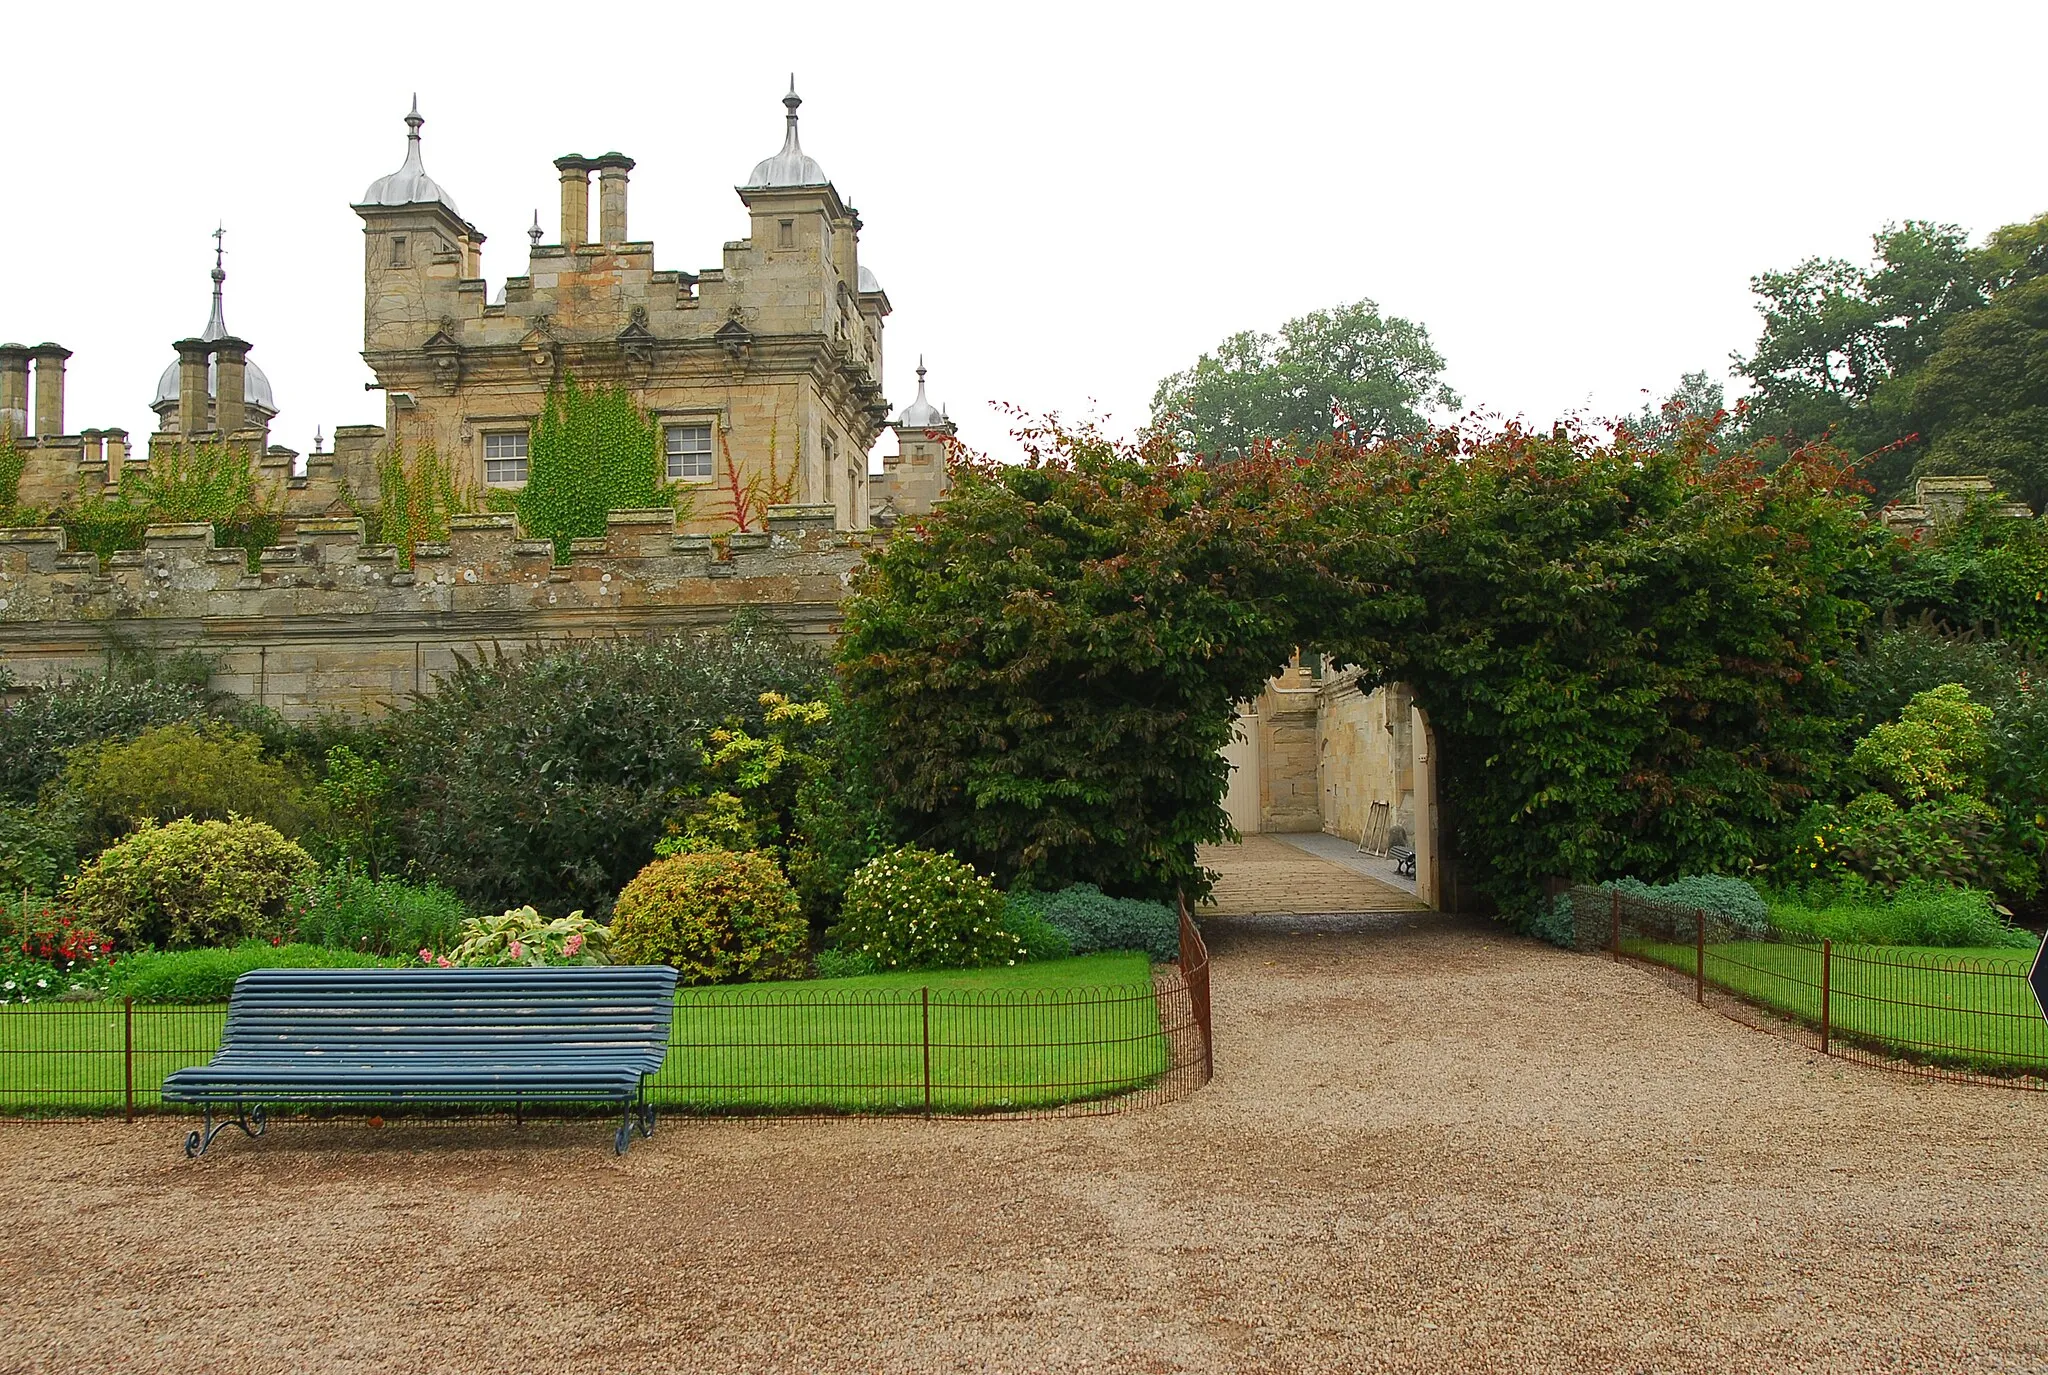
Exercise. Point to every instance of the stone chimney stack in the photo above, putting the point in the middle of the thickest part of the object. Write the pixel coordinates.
(49, 388)
(611, 196)
(14, 390)
(192, 399)
(575, 170)
(230, 369)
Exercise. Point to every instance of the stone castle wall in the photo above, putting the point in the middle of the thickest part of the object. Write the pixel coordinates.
(330, 624)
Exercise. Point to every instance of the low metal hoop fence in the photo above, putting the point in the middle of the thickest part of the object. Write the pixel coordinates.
(1971, 1018)
(759, 1049)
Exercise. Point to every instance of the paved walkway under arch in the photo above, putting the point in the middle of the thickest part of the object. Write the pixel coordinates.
(1266, 875)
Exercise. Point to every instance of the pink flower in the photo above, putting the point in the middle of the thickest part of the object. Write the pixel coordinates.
(518, 951)
(573, 944)
(445, 962)
(426, 955)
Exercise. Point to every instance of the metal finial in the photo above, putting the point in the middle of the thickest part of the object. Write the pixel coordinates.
(792, 100)
(318, 439)
(414, 120)
(217, 324)
(920, 370)
(535, 232)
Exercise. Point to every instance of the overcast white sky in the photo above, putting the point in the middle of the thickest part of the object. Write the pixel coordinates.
(1064, 202)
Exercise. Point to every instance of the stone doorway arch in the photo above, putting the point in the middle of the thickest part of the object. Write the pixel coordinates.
(1320, 749)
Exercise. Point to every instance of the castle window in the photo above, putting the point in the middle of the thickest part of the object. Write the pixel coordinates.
(505, 458)
(785, 234)
(689, 453)
(400, 255)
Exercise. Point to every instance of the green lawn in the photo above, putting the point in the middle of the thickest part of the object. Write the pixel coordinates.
(1035, 1035)
(1970, 1009)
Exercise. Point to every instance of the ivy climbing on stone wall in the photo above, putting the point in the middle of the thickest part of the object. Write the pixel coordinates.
(593, 451)
(415, 499)
(194, 482)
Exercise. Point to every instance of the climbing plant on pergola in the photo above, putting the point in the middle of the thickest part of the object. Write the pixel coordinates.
(1626, 656)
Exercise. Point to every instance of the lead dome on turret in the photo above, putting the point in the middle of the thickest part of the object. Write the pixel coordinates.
(921, 414)
(792, 166)
(410, 184)
(256, 394)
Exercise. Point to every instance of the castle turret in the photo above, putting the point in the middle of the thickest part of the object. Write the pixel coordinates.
(806, 244)
(188, 392)
(915, 478)
(419, 255)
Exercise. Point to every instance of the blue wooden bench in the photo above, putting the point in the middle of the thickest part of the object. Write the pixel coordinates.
(520, 1037)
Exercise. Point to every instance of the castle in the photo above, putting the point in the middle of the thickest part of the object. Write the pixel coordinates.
(763, 373)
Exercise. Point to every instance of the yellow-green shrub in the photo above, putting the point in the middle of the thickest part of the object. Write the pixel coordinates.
(191, 883)
(718, 916)
(208, 770)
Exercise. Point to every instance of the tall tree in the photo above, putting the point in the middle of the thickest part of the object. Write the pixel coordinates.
(1696, 398)
(1838, 338)
(1982, 399)
(1348, 370)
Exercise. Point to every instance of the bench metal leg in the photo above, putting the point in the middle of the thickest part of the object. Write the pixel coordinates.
(252, 1122)
(646, 1110)
(639, 1116)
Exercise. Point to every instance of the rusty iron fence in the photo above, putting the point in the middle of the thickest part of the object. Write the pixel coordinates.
(1971, 1018)
(756, 1050)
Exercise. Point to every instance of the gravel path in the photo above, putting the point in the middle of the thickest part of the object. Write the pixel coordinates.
(1428, 1147)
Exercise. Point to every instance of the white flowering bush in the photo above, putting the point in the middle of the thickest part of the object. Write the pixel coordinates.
(918, 909)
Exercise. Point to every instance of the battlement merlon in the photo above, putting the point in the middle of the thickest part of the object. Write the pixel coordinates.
(327, 555)
(328, 622)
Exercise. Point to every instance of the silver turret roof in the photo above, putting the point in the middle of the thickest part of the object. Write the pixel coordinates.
(921, 414)
(791, 166)
(410, 184)
(868, 281)
(255, 386)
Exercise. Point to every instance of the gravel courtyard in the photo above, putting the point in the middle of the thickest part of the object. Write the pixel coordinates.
(1428, 1146)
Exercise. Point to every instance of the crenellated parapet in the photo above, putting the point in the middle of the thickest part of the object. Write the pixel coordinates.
(329, 622)
(768, 363)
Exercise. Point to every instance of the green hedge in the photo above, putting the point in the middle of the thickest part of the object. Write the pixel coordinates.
(208, 976)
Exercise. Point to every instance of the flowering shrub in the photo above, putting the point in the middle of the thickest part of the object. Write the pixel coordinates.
(48, 953)
(523, 936)
(917, 909)
(25, 979)
(62, 939)
(191, 883)
(718, 916)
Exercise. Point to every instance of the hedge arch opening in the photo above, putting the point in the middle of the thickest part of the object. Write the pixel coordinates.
(1623, 657)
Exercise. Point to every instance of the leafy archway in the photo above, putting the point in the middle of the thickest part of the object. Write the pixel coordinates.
(1626, 655)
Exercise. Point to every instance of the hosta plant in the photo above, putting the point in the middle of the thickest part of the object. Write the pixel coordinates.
(523, 936)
